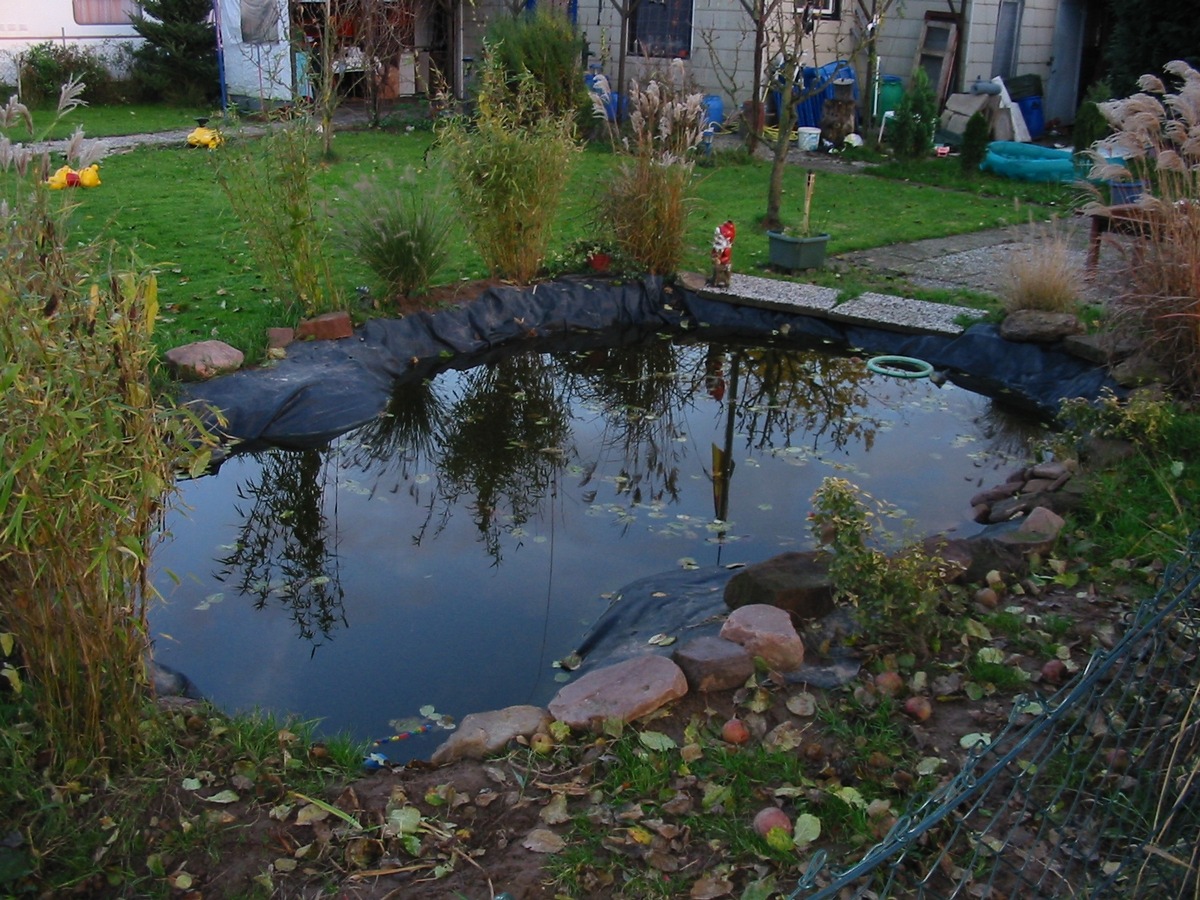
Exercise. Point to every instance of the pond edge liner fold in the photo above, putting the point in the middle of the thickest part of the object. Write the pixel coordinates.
(322, 389)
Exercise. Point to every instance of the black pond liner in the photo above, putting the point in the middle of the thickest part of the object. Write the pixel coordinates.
(326, 388)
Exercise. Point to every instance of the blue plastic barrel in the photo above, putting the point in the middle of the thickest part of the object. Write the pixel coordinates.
(1031, 111)
(715, 107)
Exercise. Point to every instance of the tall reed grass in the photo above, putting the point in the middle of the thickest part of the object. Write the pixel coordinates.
(1157, 135)
(86, 460)
(1045, 276)
(646, 202)
(269, 182)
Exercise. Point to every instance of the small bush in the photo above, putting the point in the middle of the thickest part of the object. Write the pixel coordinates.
(44, 68)
(976, 137)
(402, 232)
(547, 45)
(86, 463)
(898, 599)
(912, 128)
(1044, 276)
(509, 167)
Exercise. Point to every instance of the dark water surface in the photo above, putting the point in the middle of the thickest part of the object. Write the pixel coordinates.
(441, 559)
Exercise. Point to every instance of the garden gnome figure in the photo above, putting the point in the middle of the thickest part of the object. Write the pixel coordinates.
(722, 254)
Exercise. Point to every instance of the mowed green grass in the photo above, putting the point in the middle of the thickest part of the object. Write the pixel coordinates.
(165, 205)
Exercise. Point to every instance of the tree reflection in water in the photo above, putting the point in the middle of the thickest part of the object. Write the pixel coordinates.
(498, 439)
(283, 549)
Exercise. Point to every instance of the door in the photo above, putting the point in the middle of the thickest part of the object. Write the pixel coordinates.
(1062, 87)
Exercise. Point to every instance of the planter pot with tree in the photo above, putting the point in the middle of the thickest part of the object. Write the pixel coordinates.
(800, 249)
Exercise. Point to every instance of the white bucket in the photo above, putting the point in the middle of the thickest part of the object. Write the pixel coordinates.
(808, 138)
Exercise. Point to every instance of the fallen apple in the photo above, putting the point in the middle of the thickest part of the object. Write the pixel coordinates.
(735, 731)
(919, 708)
(1054, 671)
(890, 684)
(769, 818)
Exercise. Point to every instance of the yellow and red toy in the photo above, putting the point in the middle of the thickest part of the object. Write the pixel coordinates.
(66, 177)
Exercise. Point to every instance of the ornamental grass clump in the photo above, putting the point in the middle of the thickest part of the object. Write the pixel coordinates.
(269, 184)
(1157, 135)
(509, 166)
(1043, 276)
(401, 231)
(86, 462)
(646, 202)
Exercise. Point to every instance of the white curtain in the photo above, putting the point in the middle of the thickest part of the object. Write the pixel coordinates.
(103, 12)
(260, 21)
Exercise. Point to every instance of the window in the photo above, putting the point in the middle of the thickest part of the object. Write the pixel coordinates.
(261, 23)
(103, 12)
(661, 28)
(821, 9)
(1008, 28)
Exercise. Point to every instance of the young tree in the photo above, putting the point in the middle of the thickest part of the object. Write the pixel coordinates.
(178, 61)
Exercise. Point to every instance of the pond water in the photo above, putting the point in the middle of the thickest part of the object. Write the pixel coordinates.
(438, 561)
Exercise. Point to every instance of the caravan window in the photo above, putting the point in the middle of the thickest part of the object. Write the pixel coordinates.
(261, 22)
(103, 12)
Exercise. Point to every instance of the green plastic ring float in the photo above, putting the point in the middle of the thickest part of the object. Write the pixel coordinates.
(900, 366)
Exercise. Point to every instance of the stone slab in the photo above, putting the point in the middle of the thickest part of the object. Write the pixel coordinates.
(771, 293)
(903, 314)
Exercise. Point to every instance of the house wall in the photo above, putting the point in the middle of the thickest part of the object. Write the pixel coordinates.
(722, 55)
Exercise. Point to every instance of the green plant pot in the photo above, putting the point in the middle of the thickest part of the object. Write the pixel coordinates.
(787, 252)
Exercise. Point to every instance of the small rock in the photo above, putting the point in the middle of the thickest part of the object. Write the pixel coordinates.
(796, 582)
(278, 338)
(627, 690)
(766, 632)
(713, 664)
(482, 734)
(1043, 523)
(1039, 326)
(204, 359)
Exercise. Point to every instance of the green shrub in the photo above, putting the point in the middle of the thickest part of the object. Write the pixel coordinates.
(548, 46)
(912, 128)
(44, 68)
(269, 184)
(509, 167)
(976, 137)
(898, 599)
(1090, 124)
(86, 462)
(178, 60)
(401, 231)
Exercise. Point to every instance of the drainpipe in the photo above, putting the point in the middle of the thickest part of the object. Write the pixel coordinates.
(960, 62)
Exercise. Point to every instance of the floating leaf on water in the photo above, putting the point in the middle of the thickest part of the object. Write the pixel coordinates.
(570, 662)
(688, 563)
(661, 640)
(428, 711)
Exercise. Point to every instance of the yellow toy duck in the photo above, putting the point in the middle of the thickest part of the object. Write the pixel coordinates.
(203, 136)
(67, 177)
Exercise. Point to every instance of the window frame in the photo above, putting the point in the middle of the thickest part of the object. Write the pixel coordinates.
(638, 47)
(126, 10)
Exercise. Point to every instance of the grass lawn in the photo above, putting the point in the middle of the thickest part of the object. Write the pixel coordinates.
(165, 204)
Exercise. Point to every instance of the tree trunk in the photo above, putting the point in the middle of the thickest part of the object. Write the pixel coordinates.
(787, 118)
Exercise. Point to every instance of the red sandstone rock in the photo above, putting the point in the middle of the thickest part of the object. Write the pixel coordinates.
(627, 691)
(766, 632)
(203, 359)
(326, 327)
(482, 734)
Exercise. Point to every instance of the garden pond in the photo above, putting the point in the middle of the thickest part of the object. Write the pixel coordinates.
(439, 560)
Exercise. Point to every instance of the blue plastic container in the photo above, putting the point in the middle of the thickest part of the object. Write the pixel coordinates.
(1031, 111)
(715, 107)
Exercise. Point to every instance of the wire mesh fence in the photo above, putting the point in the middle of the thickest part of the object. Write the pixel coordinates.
(1091, 792)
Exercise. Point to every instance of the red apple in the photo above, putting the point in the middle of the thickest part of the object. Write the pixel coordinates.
(890, 684)
(919, 708)
(735, 731)
(769, 818)
(1054, 671)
